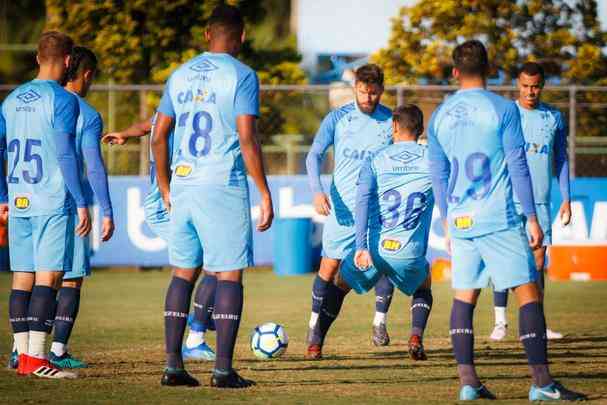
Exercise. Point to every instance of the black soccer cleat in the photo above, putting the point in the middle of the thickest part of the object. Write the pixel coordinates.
(229, 379)
(416, 348)
(178, 378)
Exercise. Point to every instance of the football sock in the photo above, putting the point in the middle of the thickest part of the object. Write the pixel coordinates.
(421, 304)
(329, 310)
(532, 332)
(500, 298)
(384, 289)
(379, 318)
(68, 304)
(500, 315)
(228, 310)
(462, 339)
(319, 292)
(176, 308)
(203, 303)
(40, 318)
(18, 306)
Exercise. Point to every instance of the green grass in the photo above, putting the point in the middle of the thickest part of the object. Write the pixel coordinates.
(120, 333)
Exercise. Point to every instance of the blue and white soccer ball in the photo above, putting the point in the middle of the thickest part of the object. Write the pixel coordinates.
(269, 341)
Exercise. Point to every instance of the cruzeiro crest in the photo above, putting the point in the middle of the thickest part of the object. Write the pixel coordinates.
(405, 157)
(203, 66)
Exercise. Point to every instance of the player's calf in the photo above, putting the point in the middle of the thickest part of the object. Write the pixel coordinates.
(421, 305)
(384, 289)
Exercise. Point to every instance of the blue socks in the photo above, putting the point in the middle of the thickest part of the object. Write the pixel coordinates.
(228, 310)
(176, 309)
(462, 339)
(319, 292)
(384, 289)
(18, 307)
(329, 310)
(68, 304)
(42, 307)
(204, 302)
(420, 311)
(500, 298)
(532, 332)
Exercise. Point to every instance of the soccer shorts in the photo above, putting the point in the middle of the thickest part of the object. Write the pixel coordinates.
(543, 218)
(337, 239)
(81, 264)
(502, 257)
(41, 243)
(210, 226)
(156, 216)
(406, 274)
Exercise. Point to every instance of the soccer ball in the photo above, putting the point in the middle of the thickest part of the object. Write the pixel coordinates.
(269, 341)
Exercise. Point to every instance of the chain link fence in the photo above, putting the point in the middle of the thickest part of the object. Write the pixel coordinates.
(290, 116)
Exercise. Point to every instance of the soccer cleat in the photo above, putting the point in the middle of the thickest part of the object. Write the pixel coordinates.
(469, 393)
(13, 361)
(554, 392)
(65, 361)
(380, 335)
(552, 335)
(53, 373)
(29, 365)
(22, 364)
(416, 348)
(314, 351)
(200, 352)
(178, 378)
(229, 379)
(499, 332)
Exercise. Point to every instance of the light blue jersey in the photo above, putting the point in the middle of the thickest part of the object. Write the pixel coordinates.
(40, 117)
(474, 131)
(205, 95)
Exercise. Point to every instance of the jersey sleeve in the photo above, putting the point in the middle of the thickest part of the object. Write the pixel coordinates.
(440, 168)
(246, 99)
(66, 111)
(367, 184)
(97, 175)
(322, 141)
(513, 143)
(166, 104)
(561, 160)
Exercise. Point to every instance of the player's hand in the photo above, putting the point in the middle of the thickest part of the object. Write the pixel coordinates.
(84, 222)
(114, 138)
(322, 204)
(565, 213)
(536, 236)
(266, 214)
(4, 214)
(166, 199)
(362, 259)
(107, 229)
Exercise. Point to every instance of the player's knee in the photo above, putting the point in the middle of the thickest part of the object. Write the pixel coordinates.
(341, 283)
(49, 278)
(234, 276)
(328, 268)
(189, 275)
(73, 283)
(23, 281)
(468, 296)
(427, 284)
(527, 293)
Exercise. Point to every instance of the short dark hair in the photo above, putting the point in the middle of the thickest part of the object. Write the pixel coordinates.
(226, 19)
(81, 59)
(411, 117)
(54, 45)
(370, 74)
(532, 69)
(471, 59)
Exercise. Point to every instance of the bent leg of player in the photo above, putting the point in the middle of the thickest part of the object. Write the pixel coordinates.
(204, 300)
(421, 305)
(384, 290)
(500, 303)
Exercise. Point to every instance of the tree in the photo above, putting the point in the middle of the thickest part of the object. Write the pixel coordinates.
(564, 35)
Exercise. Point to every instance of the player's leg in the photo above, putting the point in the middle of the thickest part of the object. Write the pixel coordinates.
(421, 305)
(540, 260)
(68, 306)
(500, 304)
(200, 321)
(384, 289)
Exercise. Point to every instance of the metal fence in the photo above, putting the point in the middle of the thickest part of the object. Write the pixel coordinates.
(290, 116)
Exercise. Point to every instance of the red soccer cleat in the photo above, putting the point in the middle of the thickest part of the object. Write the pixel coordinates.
(29, 365)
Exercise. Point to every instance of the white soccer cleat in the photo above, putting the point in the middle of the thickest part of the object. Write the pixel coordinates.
(499, 332)
(53, 373)
(552, 335)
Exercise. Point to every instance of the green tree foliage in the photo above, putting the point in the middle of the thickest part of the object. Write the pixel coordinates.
(564, 35)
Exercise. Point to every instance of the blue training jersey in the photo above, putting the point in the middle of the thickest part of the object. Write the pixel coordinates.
(545, 135)
(395, 188)
(154, 197)
(477, 132)
(355, 137)
(39, 117)
(205, 95)
(89, 128)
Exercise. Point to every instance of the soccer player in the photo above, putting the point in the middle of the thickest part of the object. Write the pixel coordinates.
(477, 158)
(213, 101)
(394, 203)
(545, 135)
(157, 218)
(356, 130)
(37, 129)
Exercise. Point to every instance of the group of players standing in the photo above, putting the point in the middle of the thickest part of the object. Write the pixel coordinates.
(378, 209)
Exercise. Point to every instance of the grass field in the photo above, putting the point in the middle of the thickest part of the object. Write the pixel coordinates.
(120, 333)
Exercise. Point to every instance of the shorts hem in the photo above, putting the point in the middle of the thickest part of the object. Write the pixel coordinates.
(220, 269)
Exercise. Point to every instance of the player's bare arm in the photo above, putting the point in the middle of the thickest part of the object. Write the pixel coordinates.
(136, 130)
(251, 153)
(160, 149)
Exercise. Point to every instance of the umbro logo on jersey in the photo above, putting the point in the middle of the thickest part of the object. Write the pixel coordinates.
(28, 97)
(203, 66)
(405, 157)
(461, 110)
